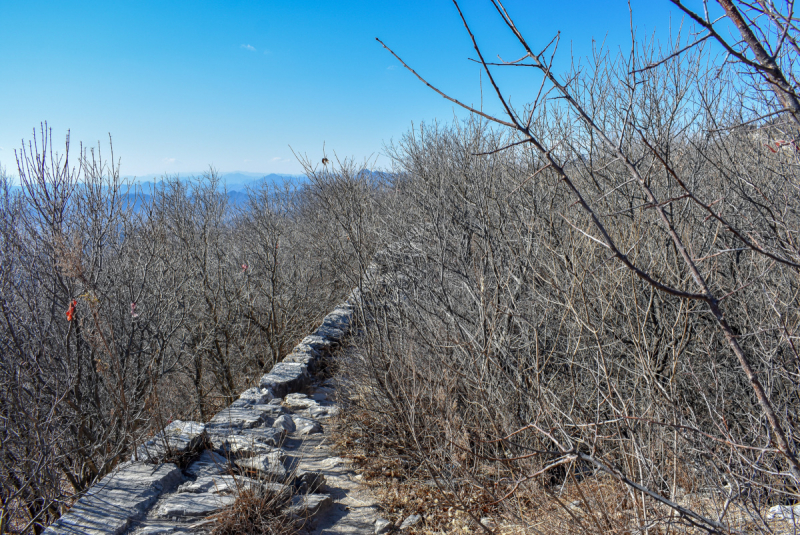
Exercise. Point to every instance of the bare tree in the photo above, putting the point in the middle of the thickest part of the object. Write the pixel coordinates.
(608, 288)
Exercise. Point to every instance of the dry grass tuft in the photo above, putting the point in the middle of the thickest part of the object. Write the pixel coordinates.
(256, 512)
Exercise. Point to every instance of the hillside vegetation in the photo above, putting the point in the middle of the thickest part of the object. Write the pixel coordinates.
(579, 317)
(585, 319)
(121, 311)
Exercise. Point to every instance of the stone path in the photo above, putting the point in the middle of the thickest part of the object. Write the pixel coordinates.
(301, 458)
(353, 509)
(275, 437)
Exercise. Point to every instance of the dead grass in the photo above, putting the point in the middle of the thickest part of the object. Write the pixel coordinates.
(596, 504)
(256, 512)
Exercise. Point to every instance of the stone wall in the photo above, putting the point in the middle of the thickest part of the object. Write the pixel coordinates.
(151, 494)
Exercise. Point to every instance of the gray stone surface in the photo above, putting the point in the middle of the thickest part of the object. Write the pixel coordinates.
(218, 484)
(119, 498)
(286, 377)
(340, 318)
(208, 464)
(268, 465)
(238, 417)
(274, 408)
(285, 422)
(317, 343)
(256, 396)
(410, 521)
(158, 528)
(189, 505)
(253, 442)
(250, 431)
(322, 411)
(330, 332)
(177, 438)
(297, 402)
(322, 393)
(307, 359)
(309, 505)
(306, 426)
(383, 526)
(354, 509)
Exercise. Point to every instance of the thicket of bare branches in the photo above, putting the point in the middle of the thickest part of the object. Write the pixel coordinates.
(124, 308)
(590, 316)
(581, 316)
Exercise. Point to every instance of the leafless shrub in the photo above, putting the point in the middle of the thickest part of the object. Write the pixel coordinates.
(123, 308)
(599, 303)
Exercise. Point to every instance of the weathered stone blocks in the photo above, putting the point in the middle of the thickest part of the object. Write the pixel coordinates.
(177, 438)
(309, 504)
(250, 431)
(256, 396)
(286, 377)
(120, 497)
(269, 465)
(306, 426)
(208, 464)
(238, 416)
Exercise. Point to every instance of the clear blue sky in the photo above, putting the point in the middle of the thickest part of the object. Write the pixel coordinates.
(182, 85)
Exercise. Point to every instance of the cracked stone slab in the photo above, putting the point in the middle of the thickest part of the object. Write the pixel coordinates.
(309, 505)
(339, 318)
(188, 505)
(209, 494)
(177, 438)
(269, 465)
(253, 441)
(239, 417)
(323, 411)
(302, 347)
(305, 358)
(159, 527)
(256, 396)
(329, 332)
(219, 484)
(317, 343)
(316, 409)
(299, 402)
(208, 464)
(306, 426)
(286, 377)
(321, 393)
(119, 498)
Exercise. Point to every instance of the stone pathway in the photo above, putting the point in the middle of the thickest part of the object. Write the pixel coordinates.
(353, 509)
(301, 458)
(274, 437)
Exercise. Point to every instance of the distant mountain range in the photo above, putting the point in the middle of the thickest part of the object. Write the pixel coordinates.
(234, 181)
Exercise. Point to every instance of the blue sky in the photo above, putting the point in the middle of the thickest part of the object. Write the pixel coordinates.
(182, 85)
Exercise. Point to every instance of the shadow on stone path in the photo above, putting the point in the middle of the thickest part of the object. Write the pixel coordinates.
(354, 510)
